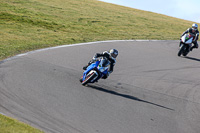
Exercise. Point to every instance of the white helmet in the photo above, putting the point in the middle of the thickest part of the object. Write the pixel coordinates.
(194, 26)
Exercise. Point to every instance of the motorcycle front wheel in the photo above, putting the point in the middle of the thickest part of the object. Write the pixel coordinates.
(89, 78)
(182, 49)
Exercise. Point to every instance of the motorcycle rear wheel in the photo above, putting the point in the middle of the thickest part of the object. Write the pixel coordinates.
(184, 54)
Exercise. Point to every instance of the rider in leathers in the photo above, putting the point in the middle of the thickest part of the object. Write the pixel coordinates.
(111, 56)
(195, 33)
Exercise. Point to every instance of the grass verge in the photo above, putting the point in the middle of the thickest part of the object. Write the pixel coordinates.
(8, 125)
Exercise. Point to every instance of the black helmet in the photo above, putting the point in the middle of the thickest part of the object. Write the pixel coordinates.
(113, 53)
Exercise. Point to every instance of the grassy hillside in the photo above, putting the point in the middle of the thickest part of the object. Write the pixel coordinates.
(32, 24)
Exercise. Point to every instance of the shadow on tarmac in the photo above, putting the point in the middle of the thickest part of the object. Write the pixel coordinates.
(192, 58)
(125, 96)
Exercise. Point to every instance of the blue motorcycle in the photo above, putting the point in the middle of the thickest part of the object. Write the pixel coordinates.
(95, 71)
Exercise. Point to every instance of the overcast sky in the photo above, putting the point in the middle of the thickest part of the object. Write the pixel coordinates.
(184, 9)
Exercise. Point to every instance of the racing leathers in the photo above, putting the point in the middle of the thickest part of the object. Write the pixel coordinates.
(107, 56)
(195, 34)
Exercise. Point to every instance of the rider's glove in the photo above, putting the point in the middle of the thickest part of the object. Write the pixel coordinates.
(94, 59)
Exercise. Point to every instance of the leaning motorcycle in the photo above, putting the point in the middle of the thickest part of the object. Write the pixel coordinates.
(185, 44)
(95, 71)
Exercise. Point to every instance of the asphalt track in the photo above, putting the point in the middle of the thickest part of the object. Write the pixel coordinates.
(151, 90)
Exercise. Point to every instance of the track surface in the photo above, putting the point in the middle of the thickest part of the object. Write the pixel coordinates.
(151, 90)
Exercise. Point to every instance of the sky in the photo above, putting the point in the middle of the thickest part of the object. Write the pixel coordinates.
(183, 9)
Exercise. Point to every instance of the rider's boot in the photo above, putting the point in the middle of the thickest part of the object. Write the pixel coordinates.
(192, 48)
(85, 67)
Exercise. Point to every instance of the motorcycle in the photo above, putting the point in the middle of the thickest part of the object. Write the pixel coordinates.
(95, 71)
(185, 44)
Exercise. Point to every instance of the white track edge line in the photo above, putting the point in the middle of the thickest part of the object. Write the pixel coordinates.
(71, 45)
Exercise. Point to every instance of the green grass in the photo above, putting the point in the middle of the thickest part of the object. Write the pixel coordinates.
(33, 24)
(8, 125)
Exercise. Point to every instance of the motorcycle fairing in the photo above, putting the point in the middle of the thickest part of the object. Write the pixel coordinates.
(101, 71)
(187, 39)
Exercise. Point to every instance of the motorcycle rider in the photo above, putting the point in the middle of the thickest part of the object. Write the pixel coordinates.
(195, 33)
(111, 56)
